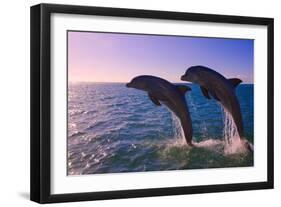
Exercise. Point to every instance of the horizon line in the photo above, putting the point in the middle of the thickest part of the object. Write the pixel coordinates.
(73, 82)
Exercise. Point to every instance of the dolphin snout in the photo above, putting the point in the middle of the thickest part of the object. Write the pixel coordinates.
(128, 85)
(183, 77)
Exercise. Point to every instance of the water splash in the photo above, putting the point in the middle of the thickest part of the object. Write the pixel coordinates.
(176, 148)
(177, 129)
(232, 141)
(211, 144)
(194, 107)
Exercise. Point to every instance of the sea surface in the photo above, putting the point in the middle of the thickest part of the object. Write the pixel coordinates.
(114, 129)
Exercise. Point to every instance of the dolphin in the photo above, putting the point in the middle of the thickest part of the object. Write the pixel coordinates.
(216, 85)
(161, 91)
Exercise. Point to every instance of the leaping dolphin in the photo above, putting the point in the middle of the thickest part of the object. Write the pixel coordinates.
(222, 89)
(173, 96)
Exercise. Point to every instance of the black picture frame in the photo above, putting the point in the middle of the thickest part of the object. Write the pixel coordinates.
(41, 98)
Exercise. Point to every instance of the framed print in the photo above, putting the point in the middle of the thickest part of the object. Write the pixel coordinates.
(132, 103)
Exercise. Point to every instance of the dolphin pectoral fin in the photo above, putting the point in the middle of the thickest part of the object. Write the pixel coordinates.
(215, 97)
(207, 95)
(205, 92)
(235, 81)
(183, 89)
(154, 100)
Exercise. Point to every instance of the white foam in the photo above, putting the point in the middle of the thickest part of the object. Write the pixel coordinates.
(208, 143)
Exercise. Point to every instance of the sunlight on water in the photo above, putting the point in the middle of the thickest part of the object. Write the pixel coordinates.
(114, 129)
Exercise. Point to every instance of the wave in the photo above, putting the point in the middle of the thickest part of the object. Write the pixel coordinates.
(76, 134)
(128, 133)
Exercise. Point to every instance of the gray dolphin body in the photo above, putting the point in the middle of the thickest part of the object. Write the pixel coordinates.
(222, 89)
(160, 90)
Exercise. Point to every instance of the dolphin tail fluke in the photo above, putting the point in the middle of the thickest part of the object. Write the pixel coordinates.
(248, 145)
(235, 81)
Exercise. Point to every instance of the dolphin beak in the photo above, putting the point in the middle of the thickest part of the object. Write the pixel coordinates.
(128, 85)
(183, 78)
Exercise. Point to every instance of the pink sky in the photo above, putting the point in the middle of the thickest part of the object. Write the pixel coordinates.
(109, 57)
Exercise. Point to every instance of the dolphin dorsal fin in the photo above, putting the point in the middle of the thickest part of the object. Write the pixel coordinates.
(183, 88)
(154, 100)
(205, 92)
(235, 81)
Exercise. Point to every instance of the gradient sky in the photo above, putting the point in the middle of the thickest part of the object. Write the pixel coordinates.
(115, 57)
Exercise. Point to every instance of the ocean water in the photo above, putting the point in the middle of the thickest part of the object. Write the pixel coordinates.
(114, 129)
